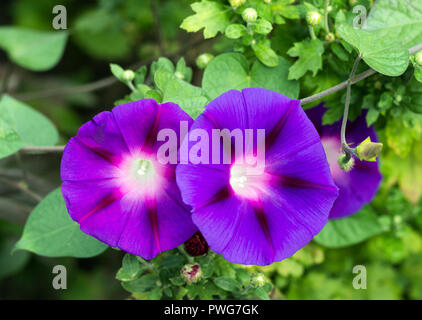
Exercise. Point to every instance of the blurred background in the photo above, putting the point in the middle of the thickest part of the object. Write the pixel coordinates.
(134, 33)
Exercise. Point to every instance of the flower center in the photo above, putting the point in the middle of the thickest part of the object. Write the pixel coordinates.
(246, 181)
(143, 170)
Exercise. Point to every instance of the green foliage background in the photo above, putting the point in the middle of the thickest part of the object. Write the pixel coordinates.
(49, 86)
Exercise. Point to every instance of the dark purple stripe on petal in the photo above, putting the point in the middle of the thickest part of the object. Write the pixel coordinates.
(275, 131)
(221, 195)
(114, 160)
(263, 222)
(151, 204)
(151, 138)
(298, 183)
(104, 202)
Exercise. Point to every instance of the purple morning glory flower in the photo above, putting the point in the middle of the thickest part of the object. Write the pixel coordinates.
(116, 188)
(260, 207)
(359, 185)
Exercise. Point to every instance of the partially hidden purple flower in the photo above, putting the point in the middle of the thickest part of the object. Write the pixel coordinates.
(359, 185)
(249, 212)
(116, 188)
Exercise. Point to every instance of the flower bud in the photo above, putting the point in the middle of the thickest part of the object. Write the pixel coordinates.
(197, 245)
(330, 37)
(313, 18)
(346, 162)
(128, 75)
(192, 273)
(203, 60)
(258, 280)
(236, 3)
(368, 150)
(267, 1)
(249, 15)
(418, 58)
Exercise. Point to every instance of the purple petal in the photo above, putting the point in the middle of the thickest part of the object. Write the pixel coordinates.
(105, 187)
(277, 211)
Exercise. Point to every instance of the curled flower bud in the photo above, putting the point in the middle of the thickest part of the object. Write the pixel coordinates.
(368, 150)
(418, 58)
(330, 37)
(249, 15)
(346, 162)
(128, 75)
(197, 245)
(203, 60)
(313, 18)
(192, 273)
(258, 280)
(236, 3)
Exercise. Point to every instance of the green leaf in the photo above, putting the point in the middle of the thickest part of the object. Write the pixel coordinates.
(262, 26)
(20, 126)
(265, 54)
(350, 230)
(226, 283)
(143, 284)
(31, 49)
(190, 98)
(130, 269)
(261, 294)
(212, 16)
(230, 71)
(387, 56)
(11, 263)
(117, 71)
(309, 53)
(418, 74)
(407, 171)
(397, 20)
(102, 34)
(155, 294)
(235, 31)
(372, 116)
(49, 231)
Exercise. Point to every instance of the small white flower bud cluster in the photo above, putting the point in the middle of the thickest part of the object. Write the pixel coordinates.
(249, 15)
(313, 18)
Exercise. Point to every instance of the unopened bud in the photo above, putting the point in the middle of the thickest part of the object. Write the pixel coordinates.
(249, 15)
(418, 58)
(197, 245)
(257, 280)
(236, 3)
(368, 150)
(346, 162)
(203, 60)
(330, 37)
(313, 18)
(192, 273)
(128, 75)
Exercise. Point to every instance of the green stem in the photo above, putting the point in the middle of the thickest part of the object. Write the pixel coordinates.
(327, 27)
(183, 251)
(150, 266)
(131, 86)
(312, 32)
(349, 151)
